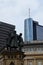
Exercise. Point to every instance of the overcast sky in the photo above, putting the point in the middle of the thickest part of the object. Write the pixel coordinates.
(15, 11)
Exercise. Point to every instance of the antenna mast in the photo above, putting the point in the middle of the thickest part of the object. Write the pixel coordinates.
(29, 12)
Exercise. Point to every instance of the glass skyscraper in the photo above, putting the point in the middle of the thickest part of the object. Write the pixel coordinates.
(32, 30)
(28, 29)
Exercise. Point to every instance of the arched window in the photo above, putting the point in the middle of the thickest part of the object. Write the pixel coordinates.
(11, 63)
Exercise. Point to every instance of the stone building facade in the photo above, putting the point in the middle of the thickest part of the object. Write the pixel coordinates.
(11, 57)
(33, 53)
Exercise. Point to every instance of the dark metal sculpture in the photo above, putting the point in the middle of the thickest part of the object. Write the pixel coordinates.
(20, 41)
(14, 40)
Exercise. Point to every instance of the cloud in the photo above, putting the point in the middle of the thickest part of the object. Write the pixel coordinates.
(15, 11)
(38, 14)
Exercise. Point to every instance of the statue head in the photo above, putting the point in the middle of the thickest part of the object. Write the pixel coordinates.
(13, 33)
(20, 34)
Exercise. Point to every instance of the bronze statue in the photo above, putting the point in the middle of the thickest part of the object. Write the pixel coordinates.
(20, 41)
(14, 40)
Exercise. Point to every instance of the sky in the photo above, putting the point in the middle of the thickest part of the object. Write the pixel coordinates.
(16, 11)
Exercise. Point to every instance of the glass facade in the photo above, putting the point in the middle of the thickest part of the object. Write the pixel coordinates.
(32, 30)
(39, 32)
(28, 29)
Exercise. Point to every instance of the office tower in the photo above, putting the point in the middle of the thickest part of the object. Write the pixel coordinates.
(28, 30)
(32, 30)
(5, 29)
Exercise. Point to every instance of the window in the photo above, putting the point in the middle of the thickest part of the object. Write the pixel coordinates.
(12, 57)
(30, 63)
(15, 56)
(8, 56)
(11, 63)
(31, 49)
(39, 63)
